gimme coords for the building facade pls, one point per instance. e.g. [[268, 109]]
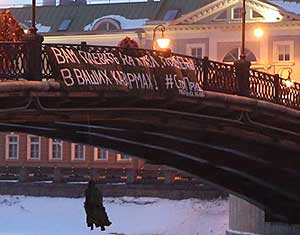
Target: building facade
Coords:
[[34, 158], [30, 150]]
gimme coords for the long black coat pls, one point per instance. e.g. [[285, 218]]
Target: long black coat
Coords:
[[93, 205]]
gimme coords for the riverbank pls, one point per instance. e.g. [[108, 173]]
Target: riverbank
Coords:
[[76, 190]]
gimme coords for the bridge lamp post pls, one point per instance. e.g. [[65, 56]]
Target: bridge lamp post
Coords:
[[243, 56], [34, 65], [33, 29], [161, 43], [242, 66]]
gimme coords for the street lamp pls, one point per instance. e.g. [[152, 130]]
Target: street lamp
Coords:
[[33, 29], [162, 42], [258, 32], [288, 83]]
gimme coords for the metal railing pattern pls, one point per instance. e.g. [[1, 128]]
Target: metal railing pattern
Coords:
[[102, 175], [221, 77], [16, 60]]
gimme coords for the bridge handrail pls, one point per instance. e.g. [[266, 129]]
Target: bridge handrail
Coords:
[[16, 63], [13, 61]]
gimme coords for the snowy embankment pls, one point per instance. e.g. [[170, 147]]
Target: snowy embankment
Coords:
[[20, 215]]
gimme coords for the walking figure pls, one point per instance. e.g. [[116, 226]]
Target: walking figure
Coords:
[[94, 209]]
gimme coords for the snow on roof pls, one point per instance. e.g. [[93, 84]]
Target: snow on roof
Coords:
[[124, 22], [42, 28], [292, 7]]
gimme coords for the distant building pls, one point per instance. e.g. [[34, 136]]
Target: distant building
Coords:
[[29, 150], [25, 156]]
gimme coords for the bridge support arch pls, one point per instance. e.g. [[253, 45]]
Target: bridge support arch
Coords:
[[247, 219]]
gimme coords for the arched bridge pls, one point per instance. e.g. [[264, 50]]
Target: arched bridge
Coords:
[[241, 136]]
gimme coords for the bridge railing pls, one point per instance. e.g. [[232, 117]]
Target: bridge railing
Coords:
[[263, 86], [102, 175], [47, 71], [272, 88], [219, 77], [14, 60], [17, 62]]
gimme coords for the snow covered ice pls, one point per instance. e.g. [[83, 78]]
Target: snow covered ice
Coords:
[[20, 215]]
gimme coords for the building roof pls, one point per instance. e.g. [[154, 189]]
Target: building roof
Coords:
[[290, 6], [79, 18], [52, 17]]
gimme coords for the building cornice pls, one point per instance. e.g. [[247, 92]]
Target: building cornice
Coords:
[[93, 32], [230, 26], [218, 5], [203, 12], [287, 15]]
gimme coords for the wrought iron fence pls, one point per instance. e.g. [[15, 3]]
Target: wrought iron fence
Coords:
[[16, 62], [47, 71], [102, 175], [220, 77], [14, 59]]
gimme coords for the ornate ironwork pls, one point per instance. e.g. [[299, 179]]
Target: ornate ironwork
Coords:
[[47, 70], [13, 61], [212, 75], [221, 78], [289, 93], [262, 85]]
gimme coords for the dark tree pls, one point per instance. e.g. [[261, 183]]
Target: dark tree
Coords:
[[10, 30]]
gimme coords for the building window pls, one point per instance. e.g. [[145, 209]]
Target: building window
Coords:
[[234, 54], [237, 13], [78, 151], [171, 15], [64, 25], [122, 157], [283, 51], [33, 147], [107, 25], [12, 147], [196, 50], [56, 148], [100, 154]]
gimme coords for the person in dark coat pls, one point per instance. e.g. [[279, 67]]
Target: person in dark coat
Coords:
[[93, 205]]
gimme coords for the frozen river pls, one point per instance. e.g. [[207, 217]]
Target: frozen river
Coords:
[[21, 215]]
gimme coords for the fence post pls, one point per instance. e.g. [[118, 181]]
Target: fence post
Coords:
[[131, 176], [276, 87], [83, 45], [169, 176], [242, 67], [34, 57], [57, 175], [205, 64], [94, 174], [23, 176]]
